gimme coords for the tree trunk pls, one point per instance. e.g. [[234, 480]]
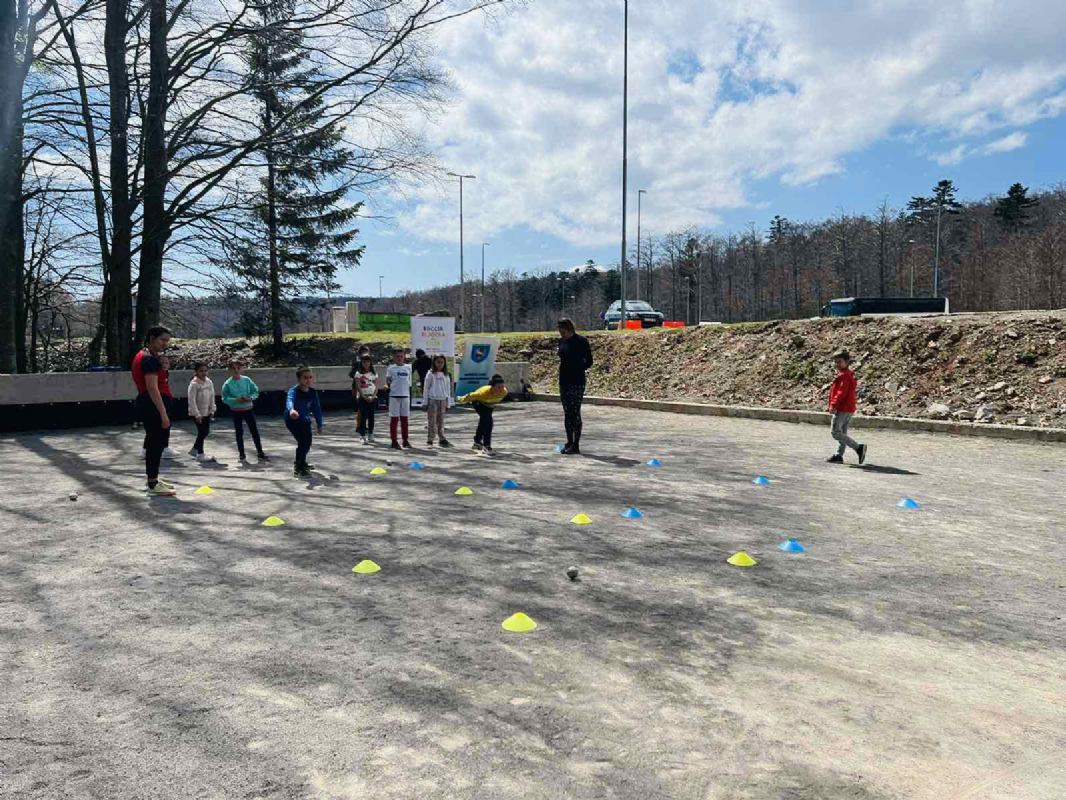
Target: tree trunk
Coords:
[[155, 225], [118, 322], [11, 251], [277, 335]]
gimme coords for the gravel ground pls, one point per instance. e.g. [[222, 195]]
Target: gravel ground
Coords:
[[176, 648]]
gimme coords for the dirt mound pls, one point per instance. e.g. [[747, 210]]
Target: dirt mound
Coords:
[[1006, 368]]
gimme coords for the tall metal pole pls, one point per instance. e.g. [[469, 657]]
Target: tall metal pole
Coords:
[[936, 256], [380, 291], [699, 288], [481, 321], [625, 165], [462, 273], [640, 193]]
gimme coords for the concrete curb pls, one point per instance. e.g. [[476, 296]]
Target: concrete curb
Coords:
[[822, 418]]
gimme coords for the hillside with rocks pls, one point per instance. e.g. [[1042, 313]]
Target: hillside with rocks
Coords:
[[1004, 368]]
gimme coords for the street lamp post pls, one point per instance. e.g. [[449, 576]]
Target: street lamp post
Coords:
[[481, 322], [640, 193], [462, 275], [625, 165], [381, 292]]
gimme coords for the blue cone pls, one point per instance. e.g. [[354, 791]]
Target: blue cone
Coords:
[[416, 465], [792, 546], [761, 480], [633, 513], [907, 502], [509, 484], [655, 463]]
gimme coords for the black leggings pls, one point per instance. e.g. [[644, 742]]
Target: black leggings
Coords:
[[241, 418], [156, 437], [484, 424], [571, 396], [366, 415], [203, 428], [301, 432]]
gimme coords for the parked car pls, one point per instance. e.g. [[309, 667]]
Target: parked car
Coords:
[[635, 310]]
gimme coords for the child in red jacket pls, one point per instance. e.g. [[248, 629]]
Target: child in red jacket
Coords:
[[842, 406]]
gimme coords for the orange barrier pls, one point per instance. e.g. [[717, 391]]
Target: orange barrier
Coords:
[[634, 324], [673, 323]]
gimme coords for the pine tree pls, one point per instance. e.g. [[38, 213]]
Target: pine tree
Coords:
[[1013, 210], [301, 229], [926, 210]]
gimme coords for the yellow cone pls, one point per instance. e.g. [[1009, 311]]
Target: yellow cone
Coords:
[[378, 471], [741, 559], [581, 519], [366, 567], [273, 522], [204, 490], [463, 491], [519, 623]]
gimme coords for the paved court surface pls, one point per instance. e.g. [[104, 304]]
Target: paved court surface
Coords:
[[178, 649]]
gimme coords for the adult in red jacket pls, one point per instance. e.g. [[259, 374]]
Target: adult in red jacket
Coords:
[[842, 404], [150, 378]]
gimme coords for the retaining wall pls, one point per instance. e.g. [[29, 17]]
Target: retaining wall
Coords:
[[78, 399]]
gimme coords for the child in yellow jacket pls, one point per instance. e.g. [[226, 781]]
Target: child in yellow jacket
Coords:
[[484, 400]]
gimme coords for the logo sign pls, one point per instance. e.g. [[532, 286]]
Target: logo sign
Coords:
[[435, 335], [478, 364]]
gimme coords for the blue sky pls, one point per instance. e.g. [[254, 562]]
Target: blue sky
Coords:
[[737, 113]]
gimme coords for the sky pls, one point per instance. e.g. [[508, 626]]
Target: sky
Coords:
[[737, 111]]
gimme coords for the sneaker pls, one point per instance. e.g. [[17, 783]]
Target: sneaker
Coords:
[[301, 472], [194, 453], [444, 442], [488, 451], [309, 466], [406, 444], [478, 447], [837, 459], [262, 457], [429, 442], [370, 438], [168, 453], [160, 490], [363, 439], [862, 453], [243, 459], [571, 450], [396, 445]]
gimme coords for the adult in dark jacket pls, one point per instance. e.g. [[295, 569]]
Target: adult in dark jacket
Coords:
[[575, 357]]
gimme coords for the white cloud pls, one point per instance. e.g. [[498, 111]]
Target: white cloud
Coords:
[[720, 95]]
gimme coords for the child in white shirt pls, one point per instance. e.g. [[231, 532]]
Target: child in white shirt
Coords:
[[201, 409], [437, 391], [398, 381]]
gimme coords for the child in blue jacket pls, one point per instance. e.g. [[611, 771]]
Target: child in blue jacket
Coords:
[[301, 404]]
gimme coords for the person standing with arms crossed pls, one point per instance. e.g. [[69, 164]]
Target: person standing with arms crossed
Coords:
[[152, 407], [575, 357]]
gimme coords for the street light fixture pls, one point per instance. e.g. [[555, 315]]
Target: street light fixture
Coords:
[[462, 275], [481, 326]]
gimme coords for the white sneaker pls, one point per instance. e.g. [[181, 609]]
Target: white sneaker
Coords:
[[488, 451], [168, 453], [160, 490], [364, 439], [167, 484]]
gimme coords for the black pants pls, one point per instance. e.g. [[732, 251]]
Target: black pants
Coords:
[[484, 424], [203, 428], [571, 396], [240, 419], [156, 437], [301, 432], [366, 415]]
